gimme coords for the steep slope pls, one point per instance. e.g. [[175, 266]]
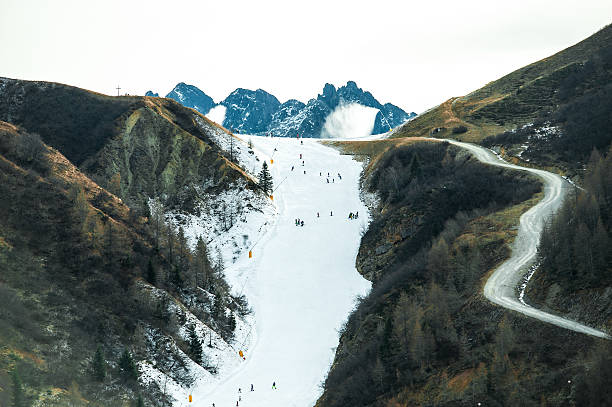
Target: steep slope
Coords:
[[306, 122], [249, 111], [72, 260], [136, 147], [518, 98], [79, 258], [191, 96]]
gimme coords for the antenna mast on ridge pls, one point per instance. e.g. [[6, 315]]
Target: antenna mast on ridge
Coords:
[[118, 90]]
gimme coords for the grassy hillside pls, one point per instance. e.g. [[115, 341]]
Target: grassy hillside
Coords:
[[521, 97]]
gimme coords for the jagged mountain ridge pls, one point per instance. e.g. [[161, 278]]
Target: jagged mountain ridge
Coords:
[[258, 112]]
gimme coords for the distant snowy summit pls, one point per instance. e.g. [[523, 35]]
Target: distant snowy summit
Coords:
[[259, 112]]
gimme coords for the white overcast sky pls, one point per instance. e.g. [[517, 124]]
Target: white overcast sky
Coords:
[[414, 54]]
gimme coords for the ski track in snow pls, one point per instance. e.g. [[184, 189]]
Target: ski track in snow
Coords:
[[301, 281], [500, 288]]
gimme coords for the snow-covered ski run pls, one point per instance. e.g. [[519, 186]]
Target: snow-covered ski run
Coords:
[[500, 288], [301, 280]]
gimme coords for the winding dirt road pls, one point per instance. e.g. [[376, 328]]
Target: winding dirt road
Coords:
[[500, 288]]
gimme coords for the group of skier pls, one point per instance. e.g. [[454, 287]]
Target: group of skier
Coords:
[[333, 179], [353, 215], [240, 393], [299, 222]]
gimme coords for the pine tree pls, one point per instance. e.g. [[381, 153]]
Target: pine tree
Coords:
[[175, 277], [127, 367], [232, 322], [140, 401], [151, 277], [202, 264], [195, 345], [18, 394], [265, 179], [99, 365]]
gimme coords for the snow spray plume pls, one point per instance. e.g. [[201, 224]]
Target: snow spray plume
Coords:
[[349, 120]]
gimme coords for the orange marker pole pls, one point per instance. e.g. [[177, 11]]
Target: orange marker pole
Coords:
[[250, 254]]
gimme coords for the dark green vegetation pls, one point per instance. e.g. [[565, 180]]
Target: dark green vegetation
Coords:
[[581, 114], [88, 285], [425, 336], [265, 179], [423, 186], [575, 273]]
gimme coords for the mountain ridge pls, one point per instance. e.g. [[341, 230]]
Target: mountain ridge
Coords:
[[260, 113]]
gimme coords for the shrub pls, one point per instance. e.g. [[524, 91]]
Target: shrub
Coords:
[[459, 129]]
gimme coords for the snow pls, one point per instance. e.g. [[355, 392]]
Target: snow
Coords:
[[217, 114], [301, 281], [349, 120]]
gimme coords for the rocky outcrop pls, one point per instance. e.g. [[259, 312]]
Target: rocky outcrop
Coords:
[[156, 154], [191, 96], [249, 111]]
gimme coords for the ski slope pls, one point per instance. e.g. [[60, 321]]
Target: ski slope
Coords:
[[500, 288], [301, 280]]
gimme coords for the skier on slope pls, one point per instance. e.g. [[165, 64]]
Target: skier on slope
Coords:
[[274, 385], [252, 389]]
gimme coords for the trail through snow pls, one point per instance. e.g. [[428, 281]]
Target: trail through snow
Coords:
[[500, 288], [301, 281]]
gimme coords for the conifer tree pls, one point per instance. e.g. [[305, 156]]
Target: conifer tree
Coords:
[[18, 394], [265, 179], [99, 365], [151, 277], [195, 345], [232, 322], [127, 367], [175, 277], [140, 401], [202, 266]]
